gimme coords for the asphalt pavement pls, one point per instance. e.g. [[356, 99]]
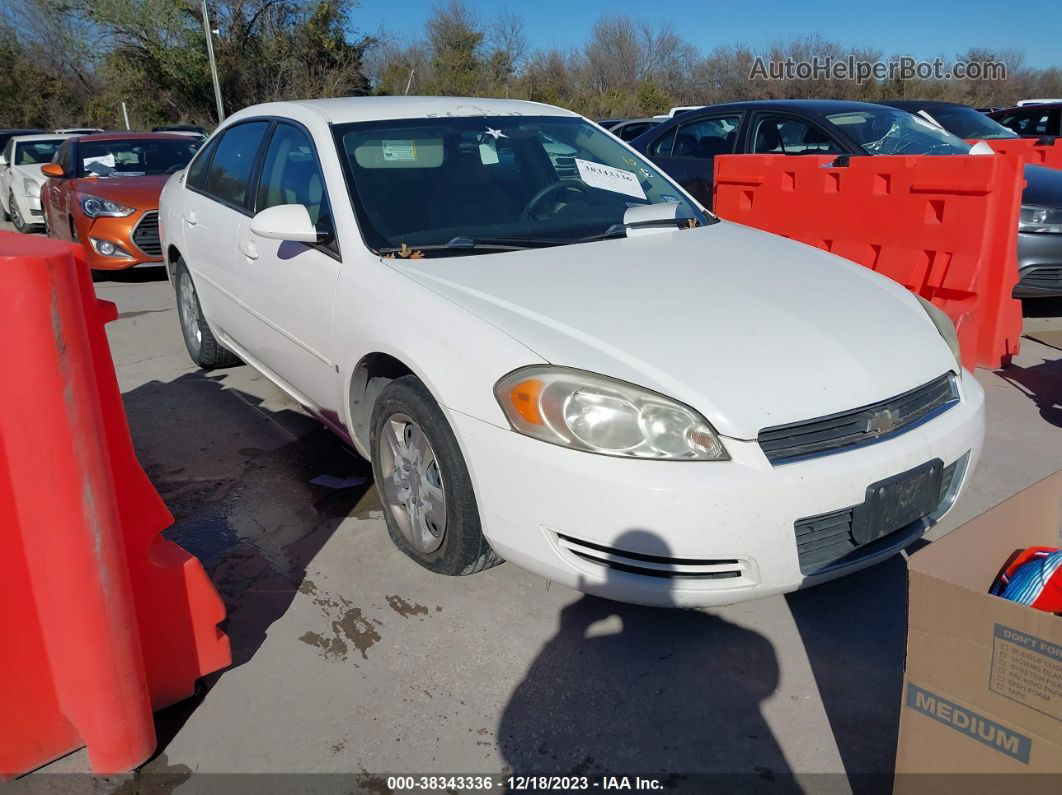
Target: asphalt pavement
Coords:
[[350, 658]]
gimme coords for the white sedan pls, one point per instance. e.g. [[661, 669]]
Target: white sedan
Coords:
[[577, 370], [21, 178]]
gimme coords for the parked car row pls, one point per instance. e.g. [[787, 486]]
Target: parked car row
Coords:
[[552, 354], [686, 147]]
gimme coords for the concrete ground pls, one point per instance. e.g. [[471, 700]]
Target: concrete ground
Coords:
[[349, 658]]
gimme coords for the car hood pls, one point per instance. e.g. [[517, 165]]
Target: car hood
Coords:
[[139, 192], [751, 329], [1043, 186]]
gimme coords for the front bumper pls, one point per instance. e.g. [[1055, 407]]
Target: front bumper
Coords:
[[711, 533], [1039, 265], [116, 230]]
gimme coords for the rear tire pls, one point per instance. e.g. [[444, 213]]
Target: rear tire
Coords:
[[202, 347], [428, 502]]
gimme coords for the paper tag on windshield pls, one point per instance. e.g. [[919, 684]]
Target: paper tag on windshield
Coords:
[[488, 153], [103, 160], [399, 150], [607, 178]]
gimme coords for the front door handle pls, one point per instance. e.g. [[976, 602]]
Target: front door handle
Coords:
[[190, 217], [249, 249]]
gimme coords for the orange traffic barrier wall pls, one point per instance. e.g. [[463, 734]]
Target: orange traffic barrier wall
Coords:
[[1034, 151], [101, 620], [944, 227]]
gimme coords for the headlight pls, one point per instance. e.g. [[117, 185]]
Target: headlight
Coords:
[[31, 188], [946, 329], [597, 414], [1040, 219], [94, 207]]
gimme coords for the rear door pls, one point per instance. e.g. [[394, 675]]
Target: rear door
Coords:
[[217, 200], [288, 288], [687, 152]]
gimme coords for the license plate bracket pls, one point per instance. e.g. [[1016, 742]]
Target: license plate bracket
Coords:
[[895, 502]]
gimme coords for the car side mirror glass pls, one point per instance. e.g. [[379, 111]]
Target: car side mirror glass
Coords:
[[286, 222], [3, 160], [52, 170]]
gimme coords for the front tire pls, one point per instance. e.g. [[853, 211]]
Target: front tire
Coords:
[[16, 217], [428, 502], [202, 347]]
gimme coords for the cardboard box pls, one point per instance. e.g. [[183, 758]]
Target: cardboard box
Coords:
[[982, 691]]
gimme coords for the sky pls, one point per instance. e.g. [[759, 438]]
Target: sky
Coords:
[[923, 29]]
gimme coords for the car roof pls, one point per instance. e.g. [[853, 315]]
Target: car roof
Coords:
[[922, 104], [19, 139], [342, 110], [820, 106], [1038, 105], [132, 136]]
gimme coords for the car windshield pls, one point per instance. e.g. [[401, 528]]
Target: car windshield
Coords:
[[133, 157], [884, 131], [455, 184], [32, 152], [964, 122]]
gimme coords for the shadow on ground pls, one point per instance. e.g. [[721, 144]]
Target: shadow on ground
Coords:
[[1042, 384], [257, 521], [622, 689], [854, 631]]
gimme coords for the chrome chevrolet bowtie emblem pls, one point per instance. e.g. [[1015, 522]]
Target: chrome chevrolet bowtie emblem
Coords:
[[883, 421]]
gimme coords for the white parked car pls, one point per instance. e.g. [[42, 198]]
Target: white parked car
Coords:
[[587, 375], [21, 178]]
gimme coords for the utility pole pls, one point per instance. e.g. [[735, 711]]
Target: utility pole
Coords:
[[213, 63], [410, 81], [125, 113]]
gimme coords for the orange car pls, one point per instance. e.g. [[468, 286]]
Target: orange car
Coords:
[[103, 192]]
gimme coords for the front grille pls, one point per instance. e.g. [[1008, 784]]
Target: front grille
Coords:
[[146, 235], [652, 565], [872, 423], [1049, 277], [825, 541]]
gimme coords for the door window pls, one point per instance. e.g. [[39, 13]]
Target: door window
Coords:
[[782, 135], [233, 162], [292, 175], [1037, 121], [707, 137], [199, 168]]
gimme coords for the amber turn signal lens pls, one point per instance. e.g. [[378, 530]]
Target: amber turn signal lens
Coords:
[[524, 397]]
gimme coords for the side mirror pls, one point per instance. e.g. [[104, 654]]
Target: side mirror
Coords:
[[52, 170], [3, 161], [286, 222]]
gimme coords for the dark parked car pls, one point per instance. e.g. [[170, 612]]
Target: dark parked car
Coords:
[[962, 121], [608, 124], [1032, 121], [632, 128], [686, 148], [7, 135]]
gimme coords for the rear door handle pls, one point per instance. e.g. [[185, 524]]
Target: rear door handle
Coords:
[[190, 217], [249, 249]]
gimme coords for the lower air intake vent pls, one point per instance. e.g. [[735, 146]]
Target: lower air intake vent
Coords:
[[652, 565]]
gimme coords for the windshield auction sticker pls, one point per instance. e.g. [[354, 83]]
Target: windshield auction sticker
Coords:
[[607, 178], [399, 150]]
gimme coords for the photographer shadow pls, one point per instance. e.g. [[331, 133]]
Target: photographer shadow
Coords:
[[623, 689]]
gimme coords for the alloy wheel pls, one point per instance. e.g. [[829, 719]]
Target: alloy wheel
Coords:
[[412, 487]]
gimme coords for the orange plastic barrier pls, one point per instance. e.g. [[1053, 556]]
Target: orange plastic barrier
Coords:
[[944, 227], [101, 620], [1034, 151]]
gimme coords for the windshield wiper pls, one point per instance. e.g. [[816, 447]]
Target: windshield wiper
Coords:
[[461, 243], [619, 230]]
